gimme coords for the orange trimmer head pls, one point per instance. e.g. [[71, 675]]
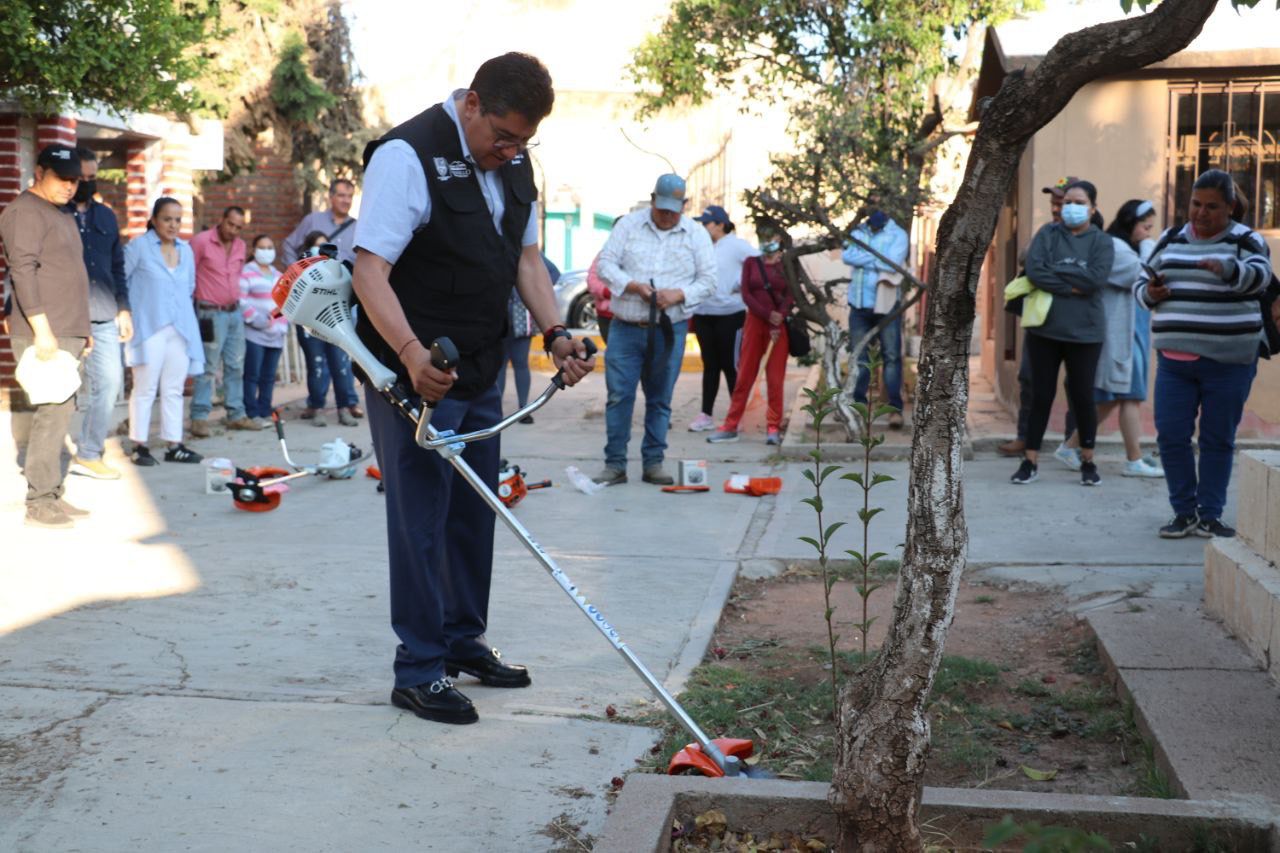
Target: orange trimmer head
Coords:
[[692, 759]]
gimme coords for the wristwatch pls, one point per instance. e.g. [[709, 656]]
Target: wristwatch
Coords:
[[549, 336]]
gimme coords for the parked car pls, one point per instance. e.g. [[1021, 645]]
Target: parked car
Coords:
[[577, 305]]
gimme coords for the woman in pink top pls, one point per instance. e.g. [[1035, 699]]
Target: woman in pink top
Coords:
[[264, 334], [599, 289]]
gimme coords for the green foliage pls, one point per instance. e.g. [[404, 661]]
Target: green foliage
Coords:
[[865, 561], [819, 408], [856, 76], [299, 97], [288, 68], [1044, 839], [125, 55]]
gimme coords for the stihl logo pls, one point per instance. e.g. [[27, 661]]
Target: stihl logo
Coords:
[[325, 291]]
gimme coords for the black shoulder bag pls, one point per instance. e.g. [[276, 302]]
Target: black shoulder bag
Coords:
[[1266, 301]]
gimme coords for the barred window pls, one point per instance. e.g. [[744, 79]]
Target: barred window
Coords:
[[1233, 126]]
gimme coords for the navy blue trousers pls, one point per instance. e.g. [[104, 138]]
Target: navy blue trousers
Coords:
[[439, 535]]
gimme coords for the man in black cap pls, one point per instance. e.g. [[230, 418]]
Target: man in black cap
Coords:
[[110, 320], [448, 227], [1056, 194], [50, 311]]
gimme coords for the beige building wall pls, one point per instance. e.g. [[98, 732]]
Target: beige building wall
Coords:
[[1114, 134]]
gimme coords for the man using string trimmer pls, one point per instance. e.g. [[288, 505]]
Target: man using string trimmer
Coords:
[[448, 226]]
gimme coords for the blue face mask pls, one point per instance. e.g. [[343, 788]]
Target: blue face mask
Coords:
[[1075, 215]]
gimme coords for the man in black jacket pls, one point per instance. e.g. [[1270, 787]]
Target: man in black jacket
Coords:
[[110, 322], [448, 225]]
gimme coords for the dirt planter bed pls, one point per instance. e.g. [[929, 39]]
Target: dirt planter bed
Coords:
[[642, 817]]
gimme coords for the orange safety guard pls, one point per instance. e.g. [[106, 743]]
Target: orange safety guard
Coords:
[[692, 758]]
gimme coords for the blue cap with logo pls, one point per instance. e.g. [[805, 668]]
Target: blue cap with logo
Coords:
[[713, 213], [668, 193]]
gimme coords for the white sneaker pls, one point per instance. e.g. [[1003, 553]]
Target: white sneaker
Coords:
[[1068, 456], [1142, 468], [702, 423]]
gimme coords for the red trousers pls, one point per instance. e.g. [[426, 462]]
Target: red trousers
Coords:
[[755, 340]]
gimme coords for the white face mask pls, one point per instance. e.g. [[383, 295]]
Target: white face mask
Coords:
[[266, 257]]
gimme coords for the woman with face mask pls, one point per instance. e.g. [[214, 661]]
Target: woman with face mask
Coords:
[[1202, 286], [1120, 384], [1070, 259], [264, 334], [767, 295]]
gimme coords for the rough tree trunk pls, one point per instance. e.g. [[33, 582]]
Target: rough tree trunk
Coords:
[[883, 735]]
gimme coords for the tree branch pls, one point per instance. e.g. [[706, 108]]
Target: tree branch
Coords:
[[1098, 51]]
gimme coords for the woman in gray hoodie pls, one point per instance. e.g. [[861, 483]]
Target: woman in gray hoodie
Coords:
[[1070, 259]]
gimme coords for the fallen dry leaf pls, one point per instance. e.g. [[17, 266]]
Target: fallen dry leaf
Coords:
[[1039, 775]]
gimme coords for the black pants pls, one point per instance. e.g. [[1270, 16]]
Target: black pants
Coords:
[[717, 338], [1047, 356], [1024, 400]]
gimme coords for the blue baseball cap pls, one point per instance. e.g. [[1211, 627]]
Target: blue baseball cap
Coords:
[[713, 213], [668, 193]]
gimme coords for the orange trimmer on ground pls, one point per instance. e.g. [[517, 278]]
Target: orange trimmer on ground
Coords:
[[315, 293]]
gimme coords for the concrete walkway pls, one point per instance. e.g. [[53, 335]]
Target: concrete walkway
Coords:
[[178, 675]]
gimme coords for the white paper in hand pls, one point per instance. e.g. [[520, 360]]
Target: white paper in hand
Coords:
[[48, 382]]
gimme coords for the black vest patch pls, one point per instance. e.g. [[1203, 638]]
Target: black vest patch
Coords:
[[455, 277]]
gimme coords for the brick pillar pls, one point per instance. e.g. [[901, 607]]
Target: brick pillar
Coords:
[[137, 205], [10, 186], [176, 180], [50, 130]]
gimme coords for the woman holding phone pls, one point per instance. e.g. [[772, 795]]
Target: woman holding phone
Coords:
[[1202, 287]]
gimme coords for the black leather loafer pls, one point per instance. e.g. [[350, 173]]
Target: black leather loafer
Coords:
[[437, 701], [490, 669]]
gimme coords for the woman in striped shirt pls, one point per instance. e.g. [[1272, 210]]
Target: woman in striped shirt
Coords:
[[1202, 287]]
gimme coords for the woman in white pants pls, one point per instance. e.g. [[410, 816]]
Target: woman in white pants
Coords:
[[166, 346]]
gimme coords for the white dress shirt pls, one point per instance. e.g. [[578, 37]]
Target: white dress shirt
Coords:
[[396, 202], [637, 250]]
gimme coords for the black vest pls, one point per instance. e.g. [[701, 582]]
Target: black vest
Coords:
[[455, 276]]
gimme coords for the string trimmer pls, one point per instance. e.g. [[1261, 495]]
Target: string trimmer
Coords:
[[315, 293], [260, 489]]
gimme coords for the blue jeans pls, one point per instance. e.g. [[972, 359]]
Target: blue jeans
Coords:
[[623, 370], [1217, 393], [861, 321], [227, 348], [439, 535], [323, 362], [259, 378], [104, 370], [517, 352]]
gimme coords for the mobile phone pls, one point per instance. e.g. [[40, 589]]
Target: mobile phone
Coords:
[[1153, 277]]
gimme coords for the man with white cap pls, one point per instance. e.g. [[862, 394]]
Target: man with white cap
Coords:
[[659, 264], [49, 312]]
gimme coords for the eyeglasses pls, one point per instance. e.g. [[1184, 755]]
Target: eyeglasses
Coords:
[[503, 141]]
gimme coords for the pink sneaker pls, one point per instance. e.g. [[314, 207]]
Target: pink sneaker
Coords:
[[702, 423]]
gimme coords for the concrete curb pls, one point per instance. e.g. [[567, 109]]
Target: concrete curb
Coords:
[[703, 628], [1204, 704], [989, 443], [642, 818]]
